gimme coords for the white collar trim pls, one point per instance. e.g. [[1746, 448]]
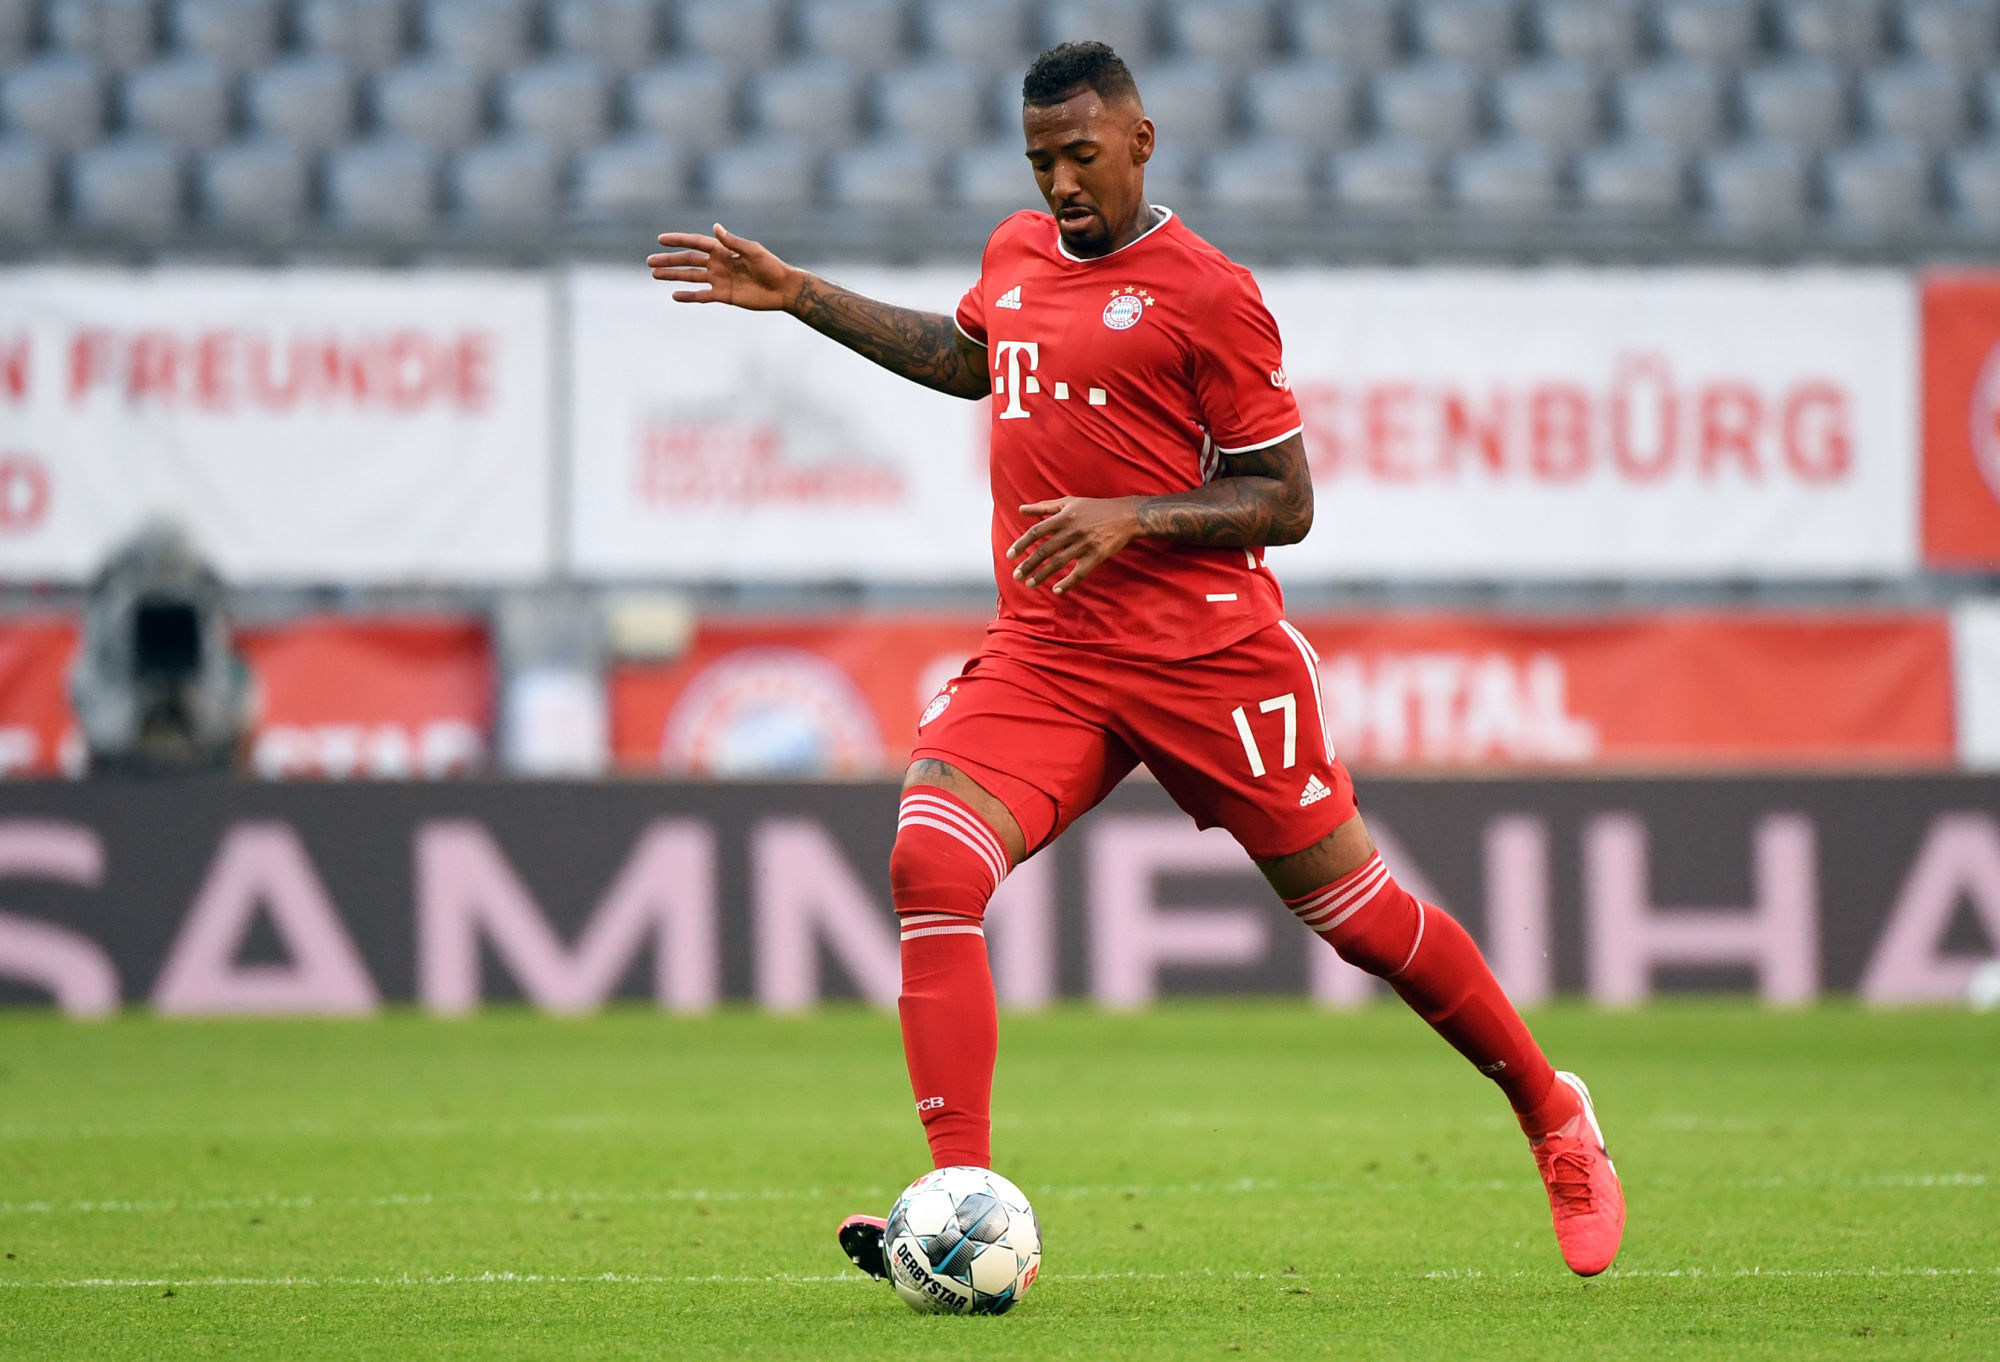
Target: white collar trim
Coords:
[[1166, 216]]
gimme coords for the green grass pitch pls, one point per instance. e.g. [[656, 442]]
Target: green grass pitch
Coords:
[[1213, 1179]]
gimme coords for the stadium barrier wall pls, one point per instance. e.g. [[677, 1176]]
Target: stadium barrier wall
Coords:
[[219, 896]]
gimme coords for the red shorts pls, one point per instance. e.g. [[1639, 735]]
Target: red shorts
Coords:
[[1238, 737]]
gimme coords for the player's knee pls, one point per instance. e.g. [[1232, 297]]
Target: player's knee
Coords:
[[1375, 926], [946, 859]]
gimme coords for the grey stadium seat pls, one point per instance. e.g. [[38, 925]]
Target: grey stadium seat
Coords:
[[994, 177], [1308, 102], [1846, 31], [1600, 34], [868, 34], [436, 103], [238, 34], [120, 34], [892, 172], [1477, 33], [1238, 34], [259, 187], [1877, 189], [1756, 188], [1435, 104], [27, 186], [383, 185], [691, 101], [308, 100], [939, 102], [624, 35], [742, 33], [1919, 102], [1553, 103], [59, 100], [814, 102], [1358, 35], [1631, 179], [17, 29], [1972, 182], [1957, 33], [1189, 102], [633, 178], [1172, 177], [1125, 24], [1386, 176], [1677, 104], [565, 101], [1986, 94], [1804, 103], [767, 172], [183, 100], [488, 35], [510, 181], [1723, 32], [1514, 178], [365, 35], [129, 184], [987, 33], [1266, 175]]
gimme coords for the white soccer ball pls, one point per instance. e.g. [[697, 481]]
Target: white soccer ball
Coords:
[[963, 1241]]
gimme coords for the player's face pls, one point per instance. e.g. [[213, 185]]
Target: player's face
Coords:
[[1089, 158]]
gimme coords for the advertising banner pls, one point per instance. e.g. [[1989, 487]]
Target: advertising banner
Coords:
[[1961, 496], [307, 425], [227, 896], [1461, 424]]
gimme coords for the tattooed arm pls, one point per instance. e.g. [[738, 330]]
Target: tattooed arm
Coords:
[[923, 347], [1263, 497]]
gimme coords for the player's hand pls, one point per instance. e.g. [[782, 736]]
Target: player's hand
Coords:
[[734, 269], [1074, 532]]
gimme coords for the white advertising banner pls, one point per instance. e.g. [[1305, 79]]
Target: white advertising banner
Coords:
[[1460, 424], [309, 425]]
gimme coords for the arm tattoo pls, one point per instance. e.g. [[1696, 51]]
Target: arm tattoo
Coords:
[[923, 347], [1263, 497]]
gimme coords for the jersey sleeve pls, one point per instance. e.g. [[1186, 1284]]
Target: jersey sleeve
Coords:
[[971, 315], [1241, 392]]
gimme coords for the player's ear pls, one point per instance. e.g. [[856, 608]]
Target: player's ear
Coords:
[[1142, 141]]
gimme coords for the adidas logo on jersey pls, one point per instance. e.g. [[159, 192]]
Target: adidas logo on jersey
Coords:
[[1011, 299], [1315, 790]]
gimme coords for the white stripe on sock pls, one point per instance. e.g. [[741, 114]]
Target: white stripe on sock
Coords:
[[944, 931], [922, 803], [1323, 897], [1407, 960], [953, 831]]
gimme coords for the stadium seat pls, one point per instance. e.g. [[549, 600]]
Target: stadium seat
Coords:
[[1308, 102], [1125, 24], [365, 35], [1633, 179], [1600, 34], [565, 101], [1357, 35], [1189, 102], [1677, 104], [768, 172], [1237, 34], [691, 100], [866, 34], [986, 33], [119, 34], [1878, 189], [487, 35], [237, 34], [1514, 178], [994, 176], [632, 179], [1986, 94], [1266, 175], [1553, 103], [127, 185], [1801, 102], [17, 29], [1956, 33], [27, 186], [885, 173], [1475, 33], [1722, 32], [1434, 104], [1386, 177], [182, 100], [308, 100], [509, 181], [1845, 31], [817, 103], [58, 100], [1755, 188], [623, 35], [383, 185], [258, 187], [936, 102], [437, 103], [1172, 177], [1972, 185], [1920, 102], [740, 33]]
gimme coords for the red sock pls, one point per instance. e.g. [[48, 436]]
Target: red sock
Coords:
[[1435, 967]]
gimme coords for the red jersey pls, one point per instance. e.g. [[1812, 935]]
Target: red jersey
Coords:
[[1126, 375]]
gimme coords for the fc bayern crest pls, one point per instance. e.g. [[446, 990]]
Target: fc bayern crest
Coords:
[[1986, 421], [1126, 307]]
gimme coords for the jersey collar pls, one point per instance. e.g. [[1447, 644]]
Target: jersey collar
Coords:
[[1166, 216]]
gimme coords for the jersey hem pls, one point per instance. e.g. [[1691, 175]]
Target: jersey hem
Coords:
[[1262, 444]]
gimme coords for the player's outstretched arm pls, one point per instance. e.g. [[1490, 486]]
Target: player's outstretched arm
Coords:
[[923, 347]]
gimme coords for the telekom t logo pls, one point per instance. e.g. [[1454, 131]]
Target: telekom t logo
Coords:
[[1012, 386]]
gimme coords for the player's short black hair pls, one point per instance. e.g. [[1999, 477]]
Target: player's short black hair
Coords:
[[1070, 68]]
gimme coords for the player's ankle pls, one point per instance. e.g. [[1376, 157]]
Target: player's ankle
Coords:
[[1557, 1108]]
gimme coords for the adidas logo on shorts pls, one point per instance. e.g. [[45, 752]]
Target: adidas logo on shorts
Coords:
[[1315, 790], [1010, 299]]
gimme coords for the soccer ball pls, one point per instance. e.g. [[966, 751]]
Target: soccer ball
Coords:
[[963, 1241]]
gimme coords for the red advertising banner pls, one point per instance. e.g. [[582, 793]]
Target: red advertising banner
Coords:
[[1961, 496], [1702, 690], [35, 723]]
